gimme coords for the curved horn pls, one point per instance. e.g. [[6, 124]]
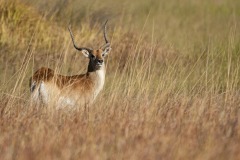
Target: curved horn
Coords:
[[105, 36], [74, 44]]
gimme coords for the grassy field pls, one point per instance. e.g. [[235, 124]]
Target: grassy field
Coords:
[[172, 86]]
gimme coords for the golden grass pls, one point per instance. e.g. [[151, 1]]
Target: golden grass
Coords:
[[172, 82]]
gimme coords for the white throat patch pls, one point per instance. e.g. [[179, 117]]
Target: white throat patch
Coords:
[[100, 83]]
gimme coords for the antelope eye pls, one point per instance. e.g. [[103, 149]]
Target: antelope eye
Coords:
[[92, 56]]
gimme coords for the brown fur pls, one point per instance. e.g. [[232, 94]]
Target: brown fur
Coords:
[[43, 74], [61, 81], [98, 53]]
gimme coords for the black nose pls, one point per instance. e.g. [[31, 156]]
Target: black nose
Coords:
[[100, 61]]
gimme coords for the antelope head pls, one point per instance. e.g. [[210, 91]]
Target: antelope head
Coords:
[[96, 56]]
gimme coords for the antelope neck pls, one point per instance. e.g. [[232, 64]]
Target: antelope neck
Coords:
[[98, 78], [97, 75]]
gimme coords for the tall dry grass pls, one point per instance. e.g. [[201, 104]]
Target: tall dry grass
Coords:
[[172, 82]]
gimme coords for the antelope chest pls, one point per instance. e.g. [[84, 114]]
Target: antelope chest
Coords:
[[99, 82]]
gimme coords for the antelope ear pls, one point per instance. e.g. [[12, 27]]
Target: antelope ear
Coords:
[[85, 53], [106, 51]]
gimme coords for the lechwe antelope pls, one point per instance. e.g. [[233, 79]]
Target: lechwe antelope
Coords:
[[47, 87]]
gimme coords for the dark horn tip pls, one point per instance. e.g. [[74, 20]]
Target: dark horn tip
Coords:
[[106, 21]]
